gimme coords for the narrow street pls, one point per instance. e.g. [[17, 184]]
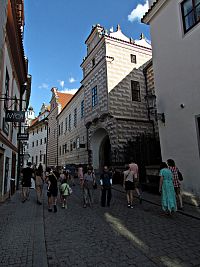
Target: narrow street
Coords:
[[115, 236]]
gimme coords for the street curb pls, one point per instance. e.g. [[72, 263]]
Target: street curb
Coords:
[[156, 204]]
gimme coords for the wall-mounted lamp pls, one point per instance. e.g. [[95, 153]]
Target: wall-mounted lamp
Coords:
[[151, 106]]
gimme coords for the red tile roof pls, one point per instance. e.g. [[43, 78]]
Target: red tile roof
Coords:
[[64, 98], [34, 121]]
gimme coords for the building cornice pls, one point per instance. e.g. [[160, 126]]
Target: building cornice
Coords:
[[153, 10], [7, 142]]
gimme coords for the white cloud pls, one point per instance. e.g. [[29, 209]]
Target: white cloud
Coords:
[[71, 80], [62, 83], [43, 86], [138, 12], [69, 91]]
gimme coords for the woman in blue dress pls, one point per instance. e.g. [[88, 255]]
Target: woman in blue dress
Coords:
[[166, 188]]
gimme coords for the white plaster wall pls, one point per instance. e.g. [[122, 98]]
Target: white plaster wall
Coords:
[[176, 64]]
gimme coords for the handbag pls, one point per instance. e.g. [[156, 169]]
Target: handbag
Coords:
[[180, 176]]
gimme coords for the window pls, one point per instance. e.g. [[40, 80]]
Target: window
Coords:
[[94, 96], [33, 132], [61, 128], [82, 108], [133, 59], [65, 124], [44, 159], [198, 130], [135, 90], [190, 13], [41, 129], [74, 144], [75, 117], [78, 143], [36, 160], [32, 144], [37, 131], [69, 122], [40, 141], [71, 146], [60, 150], [63, 149], [45, 140], [6, 90], [37, 143], [40, 157], [93, 62]]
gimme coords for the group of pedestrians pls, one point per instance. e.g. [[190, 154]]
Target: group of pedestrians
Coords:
[[61, 182]]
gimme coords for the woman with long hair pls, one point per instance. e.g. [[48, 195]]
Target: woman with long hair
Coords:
[[177, 185], [166, 188]]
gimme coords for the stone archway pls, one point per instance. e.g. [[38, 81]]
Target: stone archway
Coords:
[[101, 148]]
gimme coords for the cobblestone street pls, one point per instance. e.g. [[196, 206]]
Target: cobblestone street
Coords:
[[115, 236]]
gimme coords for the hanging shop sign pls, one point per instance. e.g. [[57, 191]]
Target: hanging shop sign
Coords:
[[15, 116], [22, 136]]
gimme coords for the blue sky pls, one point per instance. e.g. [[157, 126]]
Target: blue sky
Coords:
[[55, 34]]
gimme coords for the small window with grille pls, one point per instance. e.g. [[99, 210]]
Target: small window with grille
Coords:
[[135, 91]]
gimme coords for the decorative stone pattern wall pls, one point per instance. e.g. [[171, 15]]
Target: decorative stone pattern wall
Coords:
[[52, 145]]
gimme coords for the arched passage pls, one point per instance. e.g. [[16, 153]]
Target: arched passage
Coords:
[[101, 149]]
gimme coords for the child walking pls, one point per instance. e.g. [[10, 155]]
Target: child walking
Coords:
[[66, 191]]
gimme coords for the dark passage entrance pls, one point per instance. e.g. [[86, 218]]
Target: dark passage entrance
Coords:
[[105, 153]]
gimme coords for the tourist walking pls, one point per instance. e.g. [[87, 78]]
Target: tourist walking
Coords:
[[166, 188], [129, 186], [80, 174], [65, 191], [106, 182], [88, 187], [39, 183], [26, 173], [52, 191], [177, 185], [134, 168]]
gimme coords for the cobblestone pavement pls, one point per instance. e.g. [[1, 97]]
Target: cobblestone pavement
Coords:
[[115, 236]]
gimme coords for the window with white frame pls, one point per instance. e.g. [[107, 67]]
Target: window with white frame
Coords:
[[190, 13], [78, 143]]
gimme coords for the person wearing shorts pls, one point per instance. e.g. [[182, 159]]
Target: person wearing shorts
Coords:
[[129, 186]]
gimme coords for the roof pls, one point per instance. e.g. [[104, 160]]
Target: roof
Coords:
[[63, 98], [119, 35], [34, 121], [150, 9]]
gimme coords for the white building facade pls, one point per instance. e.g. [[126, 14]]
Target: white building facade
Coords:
[[36, 146], [110, 108], [175, 33], [15, 86]]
